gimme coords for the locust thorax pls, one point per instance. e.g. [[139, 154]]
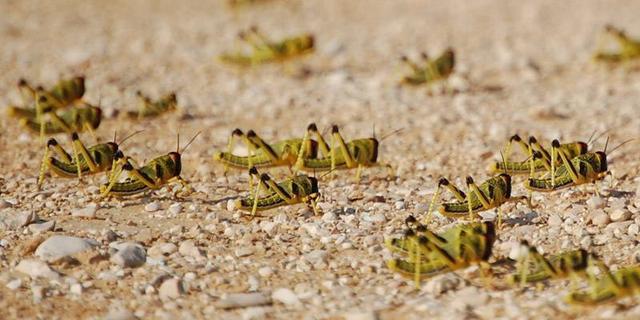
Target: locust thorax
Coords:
[[507, 184], [602, 162]]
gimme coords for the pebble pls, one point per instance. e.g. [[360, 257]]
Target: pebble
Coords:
[[37, 269], [38, 228], [175, 208], [162, 249], [88, 212], [119, 313], [265, 271], [188, 249], [285, 296], [171, 289], [76, 289], [243, 300], [316, 256], [599, 218], [129, 255], [596, 203], [375, 217], [61, 246], [152, 206], [14, 284], [243, 251], [360, 315], [23, 219], [37, 292], [442, 284], [633, 229], [554, 220], [5, 204], [620, 214]]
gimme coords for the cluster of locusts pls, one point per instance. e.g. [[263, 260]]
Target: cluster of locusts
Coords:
[[61, 109]]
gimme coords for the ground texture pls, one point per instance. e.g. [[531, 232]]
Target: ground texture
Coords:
[[522, 68]]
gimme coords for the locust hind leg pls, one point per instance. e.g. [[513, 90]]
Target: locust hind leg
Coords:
[[473, 188], [44, 166]]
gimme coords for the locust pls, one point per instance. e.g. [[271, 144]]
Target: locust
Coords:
[[268, 194], [72, 119], [104, 157], [265, 50], [356, 154], [65, 93], [629, 48], [608, 287], [429, 254], [589, 167], [152, 176], [534, 267], [263, 154], [492, 193], [150, 109], [539, 158], [428, 71]]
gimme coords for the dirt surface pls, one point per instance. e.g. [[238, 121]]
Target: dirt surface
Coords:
[[522, 68]]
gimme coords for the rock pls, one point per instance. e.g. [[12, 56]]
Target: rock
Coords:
[[231, 205], [265, 271], [633, 229], [23, 219], [5, 204], [37, 292], [441, 284], [171, 289], [554, 220], [162, 249], [620, 215], [243, 251], [37, 269], [38, 228], [243, 300], [119, 313], [285, 296], [14, 284], [152, 206], [175, 208], [130, 255], [188, 249], [599, 218], [88, 212], [596, 203], [316, 256], [57, 247], [76, 289], [374, 217]]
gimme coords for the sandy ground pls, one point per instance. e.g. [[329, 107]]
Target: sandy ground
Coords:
[[523, 68]]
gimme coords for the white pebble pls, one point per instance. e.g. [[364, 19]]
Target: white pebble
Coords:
[[86, 212], [188, 248], [38, 228], [554, 220], [37, 269], [285, 296], [152, 206], [76, 289], [243, 300], [171, 289], [23, 219], [633, 229], [596, 203], [175, 208], [243, 251], [599, 218], [231, 205], [375, 217], [129, 255], [14, 284], [620, 214], [265, 271], [61, 246]]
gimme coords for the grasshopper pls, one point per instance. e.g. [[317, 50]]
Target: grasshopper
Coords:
[[539, 158], [150, 109], [608, 287], [629, 48], [429, 70], [589, 167], [262, 154], [534, 267], [357, 154], [152, 176], [430, 254], [492, 193], [297, 189], [66, 92], [98, 158], [265, 50]]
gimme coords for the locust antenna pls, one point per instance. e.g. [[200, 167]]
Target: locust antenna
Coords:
[[127, 137], [325, 174], [178, 142], [606, 144], [591, 136], [115, 134], [504, 163], [620, 145], [391, 134], [190, 141]]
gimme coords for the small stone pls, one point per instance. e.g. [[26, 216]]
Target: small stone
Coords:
[[152, 206], [76, 289], [599, 218], [37, 269], [620, 215], [129, 255], [374, 217], [119, 313], [633, 229], [243, 251], [265, 272], [175, 208], [162, 249], [517, 251], [316, 256], [38, 228], [596, 203], [329, 217], [23, 219], [441, 284], [231, 205], [5, 204], [285, 296], [57, 247], [14, 284], [360, 315], [188, 248], [554, 220], [88, 212], [243, 300], [37, 292], [171, 289]]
